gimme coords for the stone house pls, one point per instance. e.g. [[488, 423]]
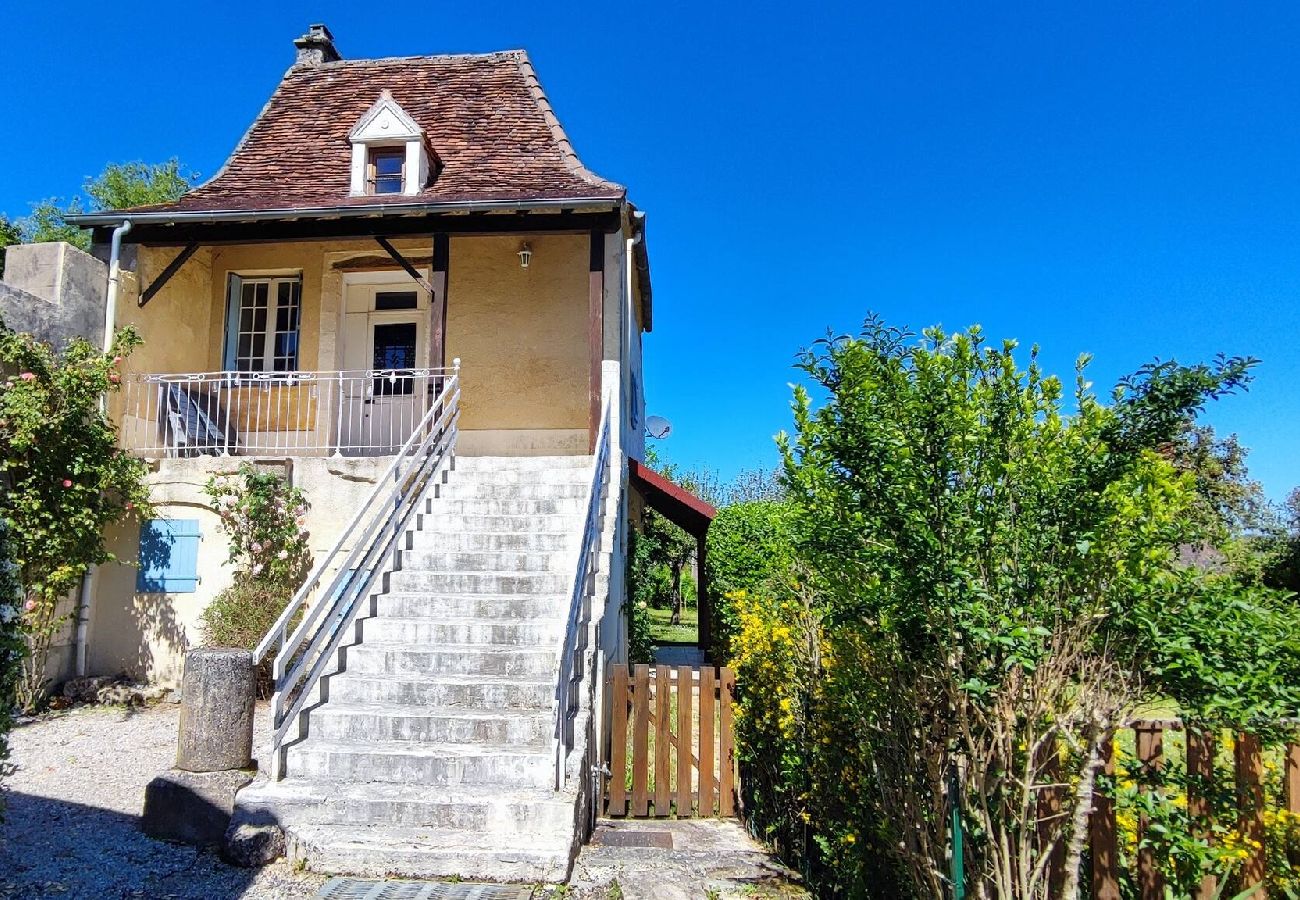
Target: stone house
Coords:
[[405, 291]]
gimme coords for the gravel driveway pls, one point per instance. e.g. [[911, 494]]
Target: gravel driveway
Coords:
[[71, 829]]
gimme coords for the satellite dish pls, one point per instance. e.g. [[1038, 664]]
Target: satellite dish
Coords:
[[658, 427]]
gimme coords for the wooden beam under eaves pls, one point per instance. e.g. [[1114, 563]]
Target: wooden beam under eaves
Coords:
[[178, 234], [404, 263], [172, 268]]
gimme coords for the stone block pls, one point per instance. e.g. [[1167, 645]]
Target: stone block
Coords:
[[216, 727], [191, 807], [249, 844]]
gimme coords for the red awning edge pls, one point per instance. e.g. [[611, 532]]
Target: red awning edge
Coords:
[[670, 500]]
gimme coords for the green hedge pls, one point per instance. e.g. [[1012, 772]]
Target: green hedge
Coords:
[[749, 550]]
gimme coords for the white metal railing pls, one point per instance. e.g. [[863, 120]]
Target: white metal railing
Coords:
[[358, 412], [341, 580], [568, 691]]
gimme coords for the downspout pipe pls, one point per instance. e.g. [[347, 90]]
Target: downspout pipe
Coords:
[[110, 327], [114, 278]]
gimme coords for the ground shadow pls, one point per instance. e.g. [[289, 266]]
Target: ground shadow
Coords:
[[53, 848]]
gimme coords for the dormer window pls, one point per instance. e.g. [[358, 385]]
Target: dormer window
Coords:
[[389, 154], [385, 170]]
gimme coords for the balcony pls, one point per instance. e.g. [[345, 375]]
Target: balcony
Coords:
[[347, 413]]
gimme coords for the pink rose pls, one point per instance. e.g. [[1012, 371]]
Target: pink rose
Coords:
[[28, 376], [117, 360], [29, 605], [67, 482], [115, 378]]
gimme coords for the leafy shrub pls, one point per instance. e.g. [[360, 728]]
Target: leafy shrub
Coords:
[[984, 585], [11, 640], [750, 549], [802, 740], [241, 615], [263, 518], [642, 571], [67, 480]]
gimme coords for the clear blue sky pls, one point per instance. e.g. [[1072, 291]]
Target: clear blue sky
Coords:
[[1123, 180]]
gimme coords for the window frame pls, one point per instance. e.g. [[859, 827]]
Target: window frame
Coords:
[[373, 154], [270, 359]]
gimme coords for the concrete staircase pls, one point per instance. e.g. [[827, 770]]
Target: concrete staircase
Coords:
[[429, 750]]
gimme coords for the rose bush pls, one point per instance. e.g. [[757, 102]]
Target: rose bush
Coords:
[[67, 480], [263, 517]]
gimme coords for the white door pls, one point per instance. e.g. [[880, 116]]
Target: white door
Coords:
[[385, 388]]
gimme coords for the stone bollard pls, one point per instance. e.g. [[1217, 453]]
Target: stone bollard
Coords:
[[216, 729]]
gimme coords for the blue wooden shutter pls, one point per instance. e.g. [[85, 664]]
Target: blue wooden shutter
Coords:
[[169, 557]]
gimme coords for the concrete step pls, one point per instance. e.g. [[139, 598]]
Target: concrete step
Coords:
[[412, 659], [484, 561], [518, 811], [474, 489], [463, 632], [432, 852], [487, 506], [400, 762], [461, 605], [490, 542], [360, 722], [479, 582], [473, 692], [443, 522], [497, 465]]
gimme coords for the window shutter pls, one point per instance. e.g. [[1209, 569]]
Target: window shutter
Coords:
[[234, 290], [169, 557]]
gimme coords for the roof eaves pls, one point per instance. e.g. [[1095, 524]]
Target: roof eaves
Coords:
[[372, 210], [641, 255]]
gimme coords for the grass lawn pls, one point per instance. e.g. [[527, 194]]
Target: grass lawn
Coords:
[[662, 631]]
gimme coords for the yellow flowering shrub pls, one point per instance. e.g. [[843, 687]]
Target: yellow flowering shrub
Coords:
[[799, 734]]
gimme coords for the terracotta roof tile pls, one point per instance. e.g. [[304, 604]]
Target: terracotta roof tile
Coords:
[[484, 116]]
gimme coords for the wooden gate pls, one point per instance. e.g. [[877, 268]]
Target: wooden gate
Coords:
[[678, 755]]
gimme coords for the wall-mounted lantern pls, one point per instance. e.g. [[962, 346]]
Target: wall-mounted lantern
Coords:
[[525, 255]]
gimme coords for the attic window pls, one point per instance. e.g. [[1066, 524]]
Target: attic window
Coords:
[[389, 152], [385, 170]]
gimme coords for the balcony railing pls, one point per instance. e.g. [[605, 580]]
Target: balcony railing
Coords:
[[367, 412]]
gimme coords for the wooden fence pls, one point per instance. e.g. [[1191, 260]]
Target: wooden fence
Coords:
[[678, 758], [1199, 752]]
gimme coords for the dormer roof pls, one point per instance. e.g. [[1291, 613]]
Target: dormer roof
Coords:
[[484, 117], [385, 121]]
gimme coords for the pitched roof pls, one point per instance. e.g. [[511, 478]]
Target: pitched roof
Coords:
[[484, 116]]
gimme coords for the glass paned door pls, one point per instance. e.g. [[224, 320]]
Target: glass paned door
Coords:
[[385, 349]]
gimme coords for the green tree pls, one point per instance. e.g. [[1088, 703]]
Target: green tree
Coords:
[[47, 222], [67, 479], [986, 584], [119, 186], [9, 234], [1279, 552], [750, 549], [1232, 503]]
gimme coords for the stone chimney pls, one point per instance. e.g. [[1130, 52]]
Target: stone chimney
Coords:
[[316, 47]]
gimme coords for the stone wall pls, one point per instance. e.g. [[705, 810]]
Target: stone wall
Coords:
[[54, 291]]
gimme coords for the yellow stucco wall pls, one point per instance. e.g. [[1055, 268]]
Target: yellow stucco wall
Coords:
[[521, 334]]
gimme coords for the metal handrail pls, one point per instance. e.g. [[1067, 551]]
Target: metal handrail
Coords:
[[307, 650], [272, 413], [568, 687]]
